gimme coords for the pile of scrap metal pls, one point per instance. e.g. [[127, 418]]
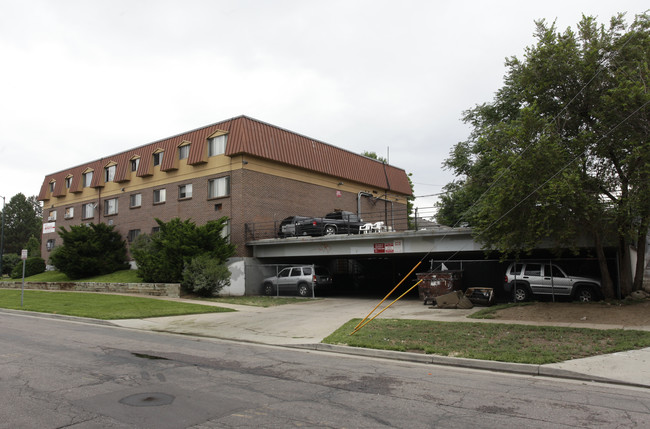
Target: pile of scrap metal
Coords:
[[458, 299]]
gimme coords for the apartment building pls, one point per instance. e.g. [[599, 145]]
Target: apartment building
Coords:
[[250, 171]]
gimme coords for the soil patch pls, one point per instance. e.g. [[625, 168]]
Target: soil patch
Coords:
[[602, 313]]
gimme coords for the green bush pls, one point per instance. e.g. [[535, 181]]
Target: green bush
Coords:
[[33, 266], [9, 261], [205, 276], [89, 251], [162, 256]]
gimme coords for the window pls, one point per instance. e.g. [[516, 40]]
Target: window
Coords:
[[132, 235], [110, 206], [135, 163], [157, 158], [155, 229], [51, 215], [533, 270], [69, 213], [135, 200], [52, 183], [184, 152], [217, 145], [159, 196], [219, 187], [88, 210], [68, 182], [225, 232], [50, 244], [185, 191], [87, 178], [109, 173]]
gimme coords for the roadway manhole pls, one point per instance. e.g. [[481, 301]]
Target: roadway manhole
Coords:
[[154, 399]]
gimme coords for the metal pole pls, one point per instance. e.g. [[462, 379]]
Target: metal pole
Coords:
[[2, 236], [22, 289]]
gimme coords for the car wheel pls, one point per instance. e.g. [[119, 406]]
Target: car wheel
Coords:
[[330, 229], [584, 294], [521, 293], [268, 289], [304, 290]]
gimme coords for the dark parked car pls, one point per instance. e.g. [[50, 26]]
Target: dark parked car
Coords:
[[288, 225], [526, 279], [300, 279], [337, 222]]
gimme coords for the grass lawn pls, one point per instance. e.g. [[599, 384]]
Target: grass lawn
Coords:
[[257, 301], [498, 342], [99, 306]]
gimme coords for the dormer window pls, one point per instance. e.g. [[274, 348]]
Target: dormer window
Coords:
[[217, 145], [68, 182], [135, 163], [109, 173], [52, 183], [87, 178], [157, 158], [184, 151]]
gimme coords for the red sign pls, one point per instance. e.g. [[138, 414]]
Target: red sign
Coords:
[[379, 247]]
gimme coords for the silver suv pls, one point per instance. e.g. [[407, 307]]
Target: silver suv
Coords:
[[525, 279], [300, 279]]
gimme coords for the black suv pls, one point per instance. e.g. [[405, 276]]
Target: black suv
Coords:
[[525, 279]]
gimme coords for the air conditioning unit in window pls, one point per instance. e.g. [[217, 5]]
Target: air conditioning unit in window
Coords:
[[51, 218]]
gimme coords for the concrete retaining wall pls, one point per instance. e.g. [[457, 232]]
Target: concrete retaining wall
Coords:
[[171, 290]]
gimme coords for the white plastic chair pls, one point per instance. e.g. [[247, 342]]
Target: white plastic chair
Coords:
[[365, 228], [378, 227]]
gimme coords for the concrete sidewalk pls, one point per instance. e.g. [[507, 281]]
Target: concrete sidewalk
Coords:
[[306, 324]]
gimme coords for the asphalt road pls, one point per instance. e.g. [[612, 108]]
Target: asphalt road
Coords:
[[65, 374]]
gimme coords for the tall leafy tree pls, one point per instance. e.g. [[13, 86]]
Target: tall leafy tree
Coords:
[[162, 256], [563, 148], [23, 219], [90, 250]]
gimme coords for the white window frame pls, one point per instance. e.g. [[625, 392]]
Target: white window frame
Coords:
[[87, 178], [68, 182], [69, 213], [109, 173], [183, 151], [157, 158], [217, 145], [138, 202], [110, 207], [88, 211], [159, 196], [185, 191], [219, 187], [51, 215], [135, 163]]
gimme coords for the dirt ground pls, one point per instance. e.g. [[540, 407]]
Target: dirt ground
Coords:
[[632, 314]]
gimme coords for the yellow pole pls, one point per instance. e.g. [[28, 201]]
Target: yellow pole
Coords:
[[385, 308], [389, 293]]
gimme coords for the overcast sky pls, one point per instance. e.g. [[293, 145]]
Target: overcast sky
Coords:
[[83, 79]]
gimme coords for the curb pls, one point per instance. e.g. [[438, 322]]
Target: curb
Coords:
[[485, 365]]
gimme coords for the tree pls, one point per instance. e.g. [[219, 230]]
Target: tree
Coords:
[[563, 149], [409, 200], [162, 256], [205, 275], [23, 219], [90, 250]]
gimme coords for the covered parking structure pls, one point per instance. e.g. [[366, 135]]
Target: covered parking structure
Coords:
[[372, 264]]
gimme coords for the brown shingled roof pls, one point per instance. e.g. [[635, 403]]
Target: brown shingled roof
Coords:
[[253, 137]]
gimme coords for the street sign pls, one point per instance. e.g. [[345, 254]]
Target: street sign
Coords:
[[23, 254]]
